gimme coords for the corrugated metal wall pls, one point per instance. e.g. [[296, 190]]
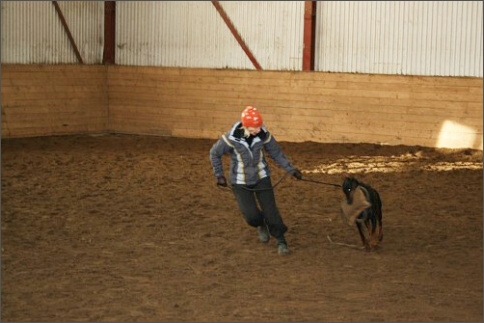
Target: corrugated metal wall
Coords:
[[32, 32], [193, 34], [432, 38], [437, 38]]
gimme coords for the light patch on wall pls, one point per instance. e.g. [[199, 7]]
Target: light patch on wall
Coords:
[[455, 135]]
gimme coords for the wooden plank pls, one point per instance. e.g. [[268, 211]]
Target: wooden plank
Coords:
[[46, 100], [173, 101], [192, 106], [249, 74]]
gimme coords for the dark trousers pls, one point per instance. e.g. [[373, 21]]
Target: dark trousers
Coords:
[[258, 203]]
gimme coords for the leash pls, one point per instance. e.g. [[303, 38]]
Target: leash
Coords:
[[280, 180], [318, 182], [265, 189]]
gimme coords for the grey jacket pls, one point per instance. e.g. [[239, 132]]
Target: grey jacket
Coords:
[[247, 162]]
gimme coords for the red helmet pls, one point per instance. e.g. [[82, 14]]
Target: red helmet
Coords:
[[251, 117]]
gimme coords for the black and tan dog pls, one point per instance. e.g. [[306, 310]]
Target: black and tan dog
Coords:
[[362, 205]]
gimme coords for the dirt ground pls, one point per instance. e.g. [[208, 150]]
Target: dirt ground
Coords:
[[133, 228]]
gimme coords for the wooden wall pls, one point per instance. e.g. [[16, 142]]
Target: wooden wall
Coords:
[[204, 103], [42, 100]]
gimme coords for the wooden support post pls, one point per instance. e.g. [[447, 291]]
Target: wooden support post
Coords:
[[236, 34], [309, 35], [109, 53], [66, 28]]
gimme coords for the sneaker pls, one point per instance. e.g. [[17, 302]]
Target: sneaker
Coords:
[[263, 232], [282, 248]]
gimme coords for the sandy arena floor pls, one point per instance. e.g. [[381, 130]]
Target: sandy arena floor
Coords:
[[133, 228]]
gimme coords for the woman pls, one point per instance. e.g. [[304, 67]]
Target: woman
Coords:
[[250, 176]]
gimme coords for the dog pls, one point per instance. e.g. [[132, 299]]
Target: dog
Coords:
[[362, 205]]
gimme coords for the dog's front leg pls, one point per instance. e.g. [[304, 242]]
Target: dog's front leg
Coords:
[[364, 240]]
